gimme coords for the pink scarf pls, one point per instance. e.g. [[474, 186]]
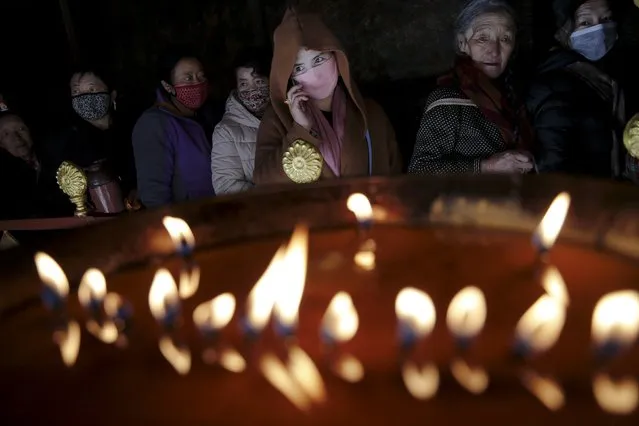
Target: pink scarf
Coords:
[[331, 137]]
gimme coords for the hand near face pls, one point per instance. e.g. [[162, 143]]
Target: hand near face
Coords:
[[296, 100], [508, 162]]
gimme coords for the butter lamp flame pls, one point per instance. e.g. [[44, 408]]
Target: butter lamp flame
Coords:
[[215, 314], [619, 397], [263, 295], [184, 242], [466, 314], [474, 380], [179, 358], [615, 321], [107, 332], [416, 315], [361, 207], [180, 233], [68, 341], [305, 372], [365, 257], [540, 326], [189, 281], [299, 381], [349, 368], [341, 321], [281, 379], [54, 280], [92, 290], [422, 383], [232, 361], [92, 295], [163, 298], [545, 389], [292, 281], [554, 284], [548, 230]]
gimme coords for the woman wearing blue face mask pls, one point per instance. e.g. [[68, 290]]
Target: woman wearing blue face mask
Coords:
[[577, 107]]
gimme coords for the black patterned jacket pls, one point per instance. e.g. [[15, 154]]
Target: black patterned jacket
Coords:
[[453, 136]]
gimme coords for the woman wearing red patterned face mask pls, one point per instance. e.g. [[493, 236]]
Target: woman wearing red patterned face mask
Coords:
[[187, 86], [171, 143]]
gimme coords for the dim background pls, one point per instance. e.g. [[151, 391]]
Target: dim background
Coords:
[[395, 47]]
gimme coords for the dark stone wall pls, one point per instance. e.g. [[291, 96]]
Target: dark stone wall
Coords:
[[389, 39], [33, 57], [392, 44], [386, 39], [132, 33]]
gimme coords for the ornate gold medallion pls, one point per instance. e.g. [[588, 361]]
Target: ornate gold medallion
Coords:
[[631, 136], [73, 182], [302, 162]]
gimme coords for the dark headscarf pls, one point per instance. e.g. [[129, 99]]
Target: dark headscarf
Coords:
[[564, 11]]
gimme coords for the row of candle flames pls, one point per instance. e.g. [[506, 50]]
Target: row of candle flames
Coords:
[[278, 293]]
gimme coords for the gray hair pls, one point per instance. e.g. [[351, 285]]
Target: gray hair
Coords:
[[475, 8]]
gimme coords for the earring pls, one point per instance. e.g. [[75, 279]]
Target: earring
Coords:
[[115, 106]]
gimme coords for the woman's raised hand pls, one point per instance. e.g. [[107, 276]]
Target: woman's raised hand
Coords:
[[296, 99]]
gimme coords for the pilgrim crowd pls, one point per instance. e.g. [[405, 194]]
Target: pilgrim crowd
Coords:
[[297, 116]]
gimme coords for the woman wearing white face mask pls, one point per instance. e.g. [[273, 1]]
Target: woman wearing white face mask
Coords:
[[577, 107], [318, 126]]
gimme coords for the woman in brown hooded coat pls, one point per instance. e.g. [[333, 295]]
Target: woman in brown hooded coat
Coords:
[[319, 127]]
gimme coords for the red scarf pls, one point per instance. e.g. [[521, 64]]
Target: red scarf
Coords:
[[512, 122]]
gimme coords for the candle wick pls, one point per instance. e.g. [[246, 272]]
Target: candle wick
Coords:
[[465, 317]]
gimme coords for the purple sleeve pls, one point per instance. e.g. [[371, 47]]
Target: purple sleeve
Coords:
[[154, 156]]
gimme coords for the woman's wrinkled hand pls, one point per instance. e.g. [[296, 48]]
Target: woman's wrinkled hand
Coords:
[[296, 99], [508, 162]]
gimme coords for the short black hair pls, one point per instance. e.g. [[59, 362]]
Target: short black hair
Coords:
[[256, 57], [564, 10], [169, 58], [101, 71]]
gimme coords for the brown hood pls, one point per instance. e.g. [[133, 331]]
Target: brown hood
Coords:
[[305, 30]]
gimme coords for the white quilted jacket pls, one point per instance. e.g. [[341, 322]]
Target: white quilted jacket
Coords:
[[233, 152]]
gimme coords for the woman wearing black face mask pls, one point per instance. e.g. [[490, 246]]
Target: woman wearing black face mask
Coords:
[[98, 142]]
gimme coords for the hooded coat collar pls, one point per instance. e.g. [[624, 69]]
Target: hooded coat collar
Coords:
[[299, 30]]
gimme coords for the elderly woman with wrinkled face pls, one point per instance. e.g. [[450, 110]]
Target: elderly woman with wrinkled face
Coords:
[[473, 122], [577, 106], [15, 139], [19, 167]]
